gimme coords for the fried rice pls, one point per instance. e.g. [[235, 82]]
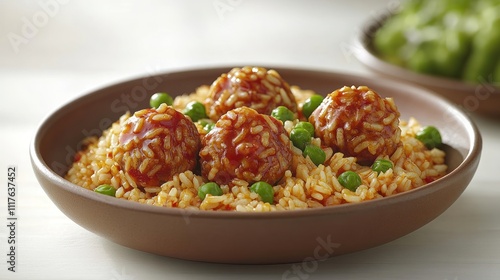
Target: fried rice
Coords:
[[304, 185]]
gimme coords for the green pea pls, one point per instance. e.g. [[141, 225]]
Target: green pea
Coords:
[[264, 190], [208, 127], [300, 137], [311, 104], [283, 114], [106, 190], [381, 165], [207, 124], [350, 180], [307, 126], [195, 110], [209, 188], [315, 153], [159, 98], [429, 136]]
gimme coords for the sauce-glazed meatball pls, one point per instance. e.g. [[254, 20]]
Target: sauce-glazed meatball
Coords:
[[156, 144], [358, 122], [253, 87], [245, 145]]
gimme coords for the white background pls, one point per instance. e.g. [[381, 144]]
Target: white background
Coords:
[[53, 51]]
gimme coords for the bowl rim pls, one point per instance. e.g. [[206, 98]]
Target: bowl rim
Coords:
[[362, 49], [39, 165]]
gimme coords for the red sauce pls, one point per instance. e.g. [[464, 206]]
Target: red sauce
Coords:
[[148, 125], [241, 158], [167, 159], [252, 82], [428, 180]]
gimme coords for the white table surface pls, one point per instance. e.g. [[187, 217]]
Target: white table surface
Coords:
[[53, 51]]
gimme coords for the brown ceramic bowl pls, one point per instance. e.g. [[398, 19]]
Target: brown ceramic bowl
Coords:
[[252, 238], [483, 98]]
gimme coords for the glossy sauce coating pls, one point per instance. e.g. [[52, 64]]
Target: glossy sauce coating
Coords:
[[245, 145], [358, 123], [253, 87], [155, 144]]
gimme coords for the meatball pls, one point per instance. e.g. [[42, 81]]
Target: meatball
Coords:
[[246, 145], [358, 122], [253, 87], [156, 144]]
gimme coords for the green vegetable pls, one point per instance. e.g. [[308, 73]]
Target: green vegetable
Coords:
[[207, 124], [195, 110], [208, 127], [300, 138], [283, 114], [381, 165], [315, 153], [311, 104], [350, 180], [458, 39], [483, 61], [159, 98], [421, 61], [390, 39], [106, 190], [264, 190], [453, 51], [496, 76], [441, 52], [209, 188], [307, 126], [429, 136]]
